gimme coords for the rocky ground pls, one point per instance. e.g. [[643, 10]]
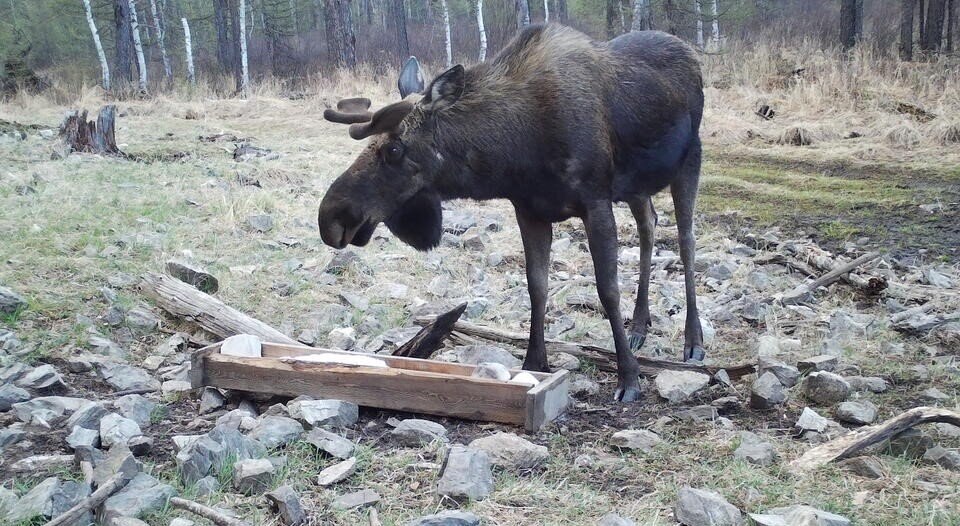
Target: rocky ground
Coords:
[[94, 375]]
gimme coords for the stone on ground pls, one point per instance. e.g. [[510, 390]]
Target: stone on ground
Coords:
[[331, 443], [466, 474], [124, 377], [810, 420], [81, 437], [861, 412], [136, 407], [494, 371], [678, 386], [755, 450], [10, 301], [702, 507], [507, 450], [243, 345], [142, 495], [767, 391], [934, 395], [87, 416], [447, 518], [287, 503], [358, 499], [787, 374], [325, 413], [252, 476], [867, 467], [612, 519], [118, 460], [115, 429], [8, 500], [799, 515], [337, 472], [275, 431], [11, 394], [873, 384], [823, 362], [193, 275], [825, 388], [477, 354], [637, 439], [211, 400], [416, 432], [945, 458], [43, 379], [912, 443]]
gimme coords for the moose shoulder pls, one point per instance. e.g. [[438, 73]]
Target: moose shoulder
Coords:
[[560, 125]]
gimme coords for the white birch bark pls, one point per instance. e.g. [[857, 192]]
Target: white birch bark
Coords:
[[138, 47], [104, 67], [640, 14], [188, 49], [483, 32], [244, 72], [546, 11], [167, 71], [446, 32], [699, 15], [716, 23]]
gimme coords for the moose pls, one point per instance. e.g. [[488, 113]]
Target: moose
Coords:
[[561, 126]]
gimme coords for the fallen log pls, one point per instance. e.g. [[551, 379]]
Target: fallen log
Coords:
[[185, 301], [206, 512], [111, 486], [431, 337], [826, 262], [81, 135], [848, 445], [604, 359], [804, 292]]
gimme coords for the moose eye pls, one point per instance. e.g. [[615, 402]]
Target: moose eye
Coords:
[[393, 152]]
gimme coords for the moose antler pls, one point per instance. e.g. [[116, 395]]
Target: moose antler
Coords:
[[350, 111], [356, 112]]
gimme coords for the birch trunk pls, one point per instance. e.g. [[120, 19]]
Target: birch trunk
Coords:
[[188, 49], [641, 15], [104, 67], [446, 32], [244, 73], [523, 13], [716, 24], [483, 32], [138, 47], [699, 15], [157, 21], [546, 11]]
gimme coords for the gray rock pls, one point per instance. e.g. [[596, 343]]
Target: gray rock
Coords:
[[767, 392], [175, 386], [118, 460], [823, 362], [945, 458], [342, 260], [47, 410], [873, 384], [507, 450], [702, 507], [798, 515], [11, 394], [260, 222], [912, 443], [253, 476], [755, 450], [582, 386], [787, 374], [11, 435], [331, 443], [636, 439], [679, 386], [465, 474], [212, 450], [207, 486], [477, 354], [358, 499], [10, 301], [416, 432], [128, 521], [43, 379], [141, 320], [275, 431], [142, 495], [811, 421], [193, 275], [721, 271], [8, 500], [42, 463], [115, 429], [11, 373], [494, 371], [447, 518], [88, 416], [140, 445], [287, 503], [612, 519], [861, 412], [38, 502], [136, 408], [325, 413], [179, 521], [330, 475], [825, 388], [934, 395], [211, 400], [81, 437], [124, 377], [700, 413], [867, 467]]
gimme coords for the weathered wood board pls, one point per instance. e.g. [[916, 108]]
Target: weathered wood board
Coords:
[[408, 384]]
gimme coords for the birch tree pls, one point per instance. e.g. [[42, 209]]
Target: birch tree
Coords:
[[188, 49], [523, 13], [104, 67], [244, 72], [641, 15], [699, 15], [483, 32], [546, 11], [716, 24], [159, 23], [138, 47], [446, 32]]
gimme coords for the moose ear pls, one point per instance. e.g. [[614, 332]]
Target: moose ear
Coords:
[[447, 88], [385, 119], [411, 79]]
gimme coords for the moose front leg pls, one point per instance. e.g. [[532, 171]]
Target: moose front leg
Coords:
[[602, 238], [537, 237]]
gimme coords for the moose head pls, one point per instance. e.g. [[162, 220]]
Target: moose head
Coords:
[[395, 179]]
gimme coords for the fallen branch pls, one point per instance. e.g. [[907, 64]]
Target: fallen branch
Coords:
[[604, 359], [431, 337], [803, 292], [847, 445], [826, 262], [111, 486], [206, 512], [185, 301]]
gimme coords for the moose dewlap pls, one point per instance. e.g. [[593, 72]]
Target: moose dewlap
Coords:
[[386, 382]]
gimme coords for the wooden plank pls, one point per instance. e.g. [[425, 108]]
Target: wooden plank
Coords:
[[198, 365], [547, 400], [388, 388]]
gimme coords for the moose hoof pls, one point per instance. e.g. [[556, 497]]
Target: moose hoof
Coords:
[[635, 341], [694, 354], [629, 393]]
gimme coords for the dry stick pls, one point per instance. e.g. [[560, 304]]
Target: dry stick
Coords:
[[206, 512], [185, 301], [827, 262], [115, 484], [847, 445], [798, 294], [605, 359], [431, 337]]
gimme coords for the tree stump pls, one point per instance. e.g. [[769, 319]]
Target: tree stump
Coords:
[[81, 135]]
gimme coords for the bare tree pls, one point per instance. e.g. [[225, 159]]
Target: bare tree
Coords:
[[523, 13], [188, 49], [716, 24], [562, 11], [399, 16], [482, 31], [641, 15], [951, 24], [848, 23], [446, 32], [226, 47], [699, 15], [922, 15], [104, 67], [906, 29], [611, 12], [159, 23], [244, 72], [138, 47], [341, 41], [123, 40], [546, 11], [931, 39]]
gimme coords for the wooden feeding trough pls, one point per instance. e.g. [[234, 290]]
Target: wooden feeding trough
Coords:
[[406, 384]]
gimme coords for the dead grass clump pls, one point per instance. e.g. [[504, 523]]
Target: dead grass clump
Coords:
[[904, 136], [946, 133]]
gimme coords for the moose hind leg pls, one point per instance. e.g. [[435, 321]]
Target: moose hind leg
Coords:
[[684, 191], [646, 217], [537, 236], [602, 238]]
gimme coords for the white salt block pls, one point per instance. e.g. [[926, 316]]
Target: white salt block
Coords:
[[496, 371], [524, 377], [341, 359], [245, 345]]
